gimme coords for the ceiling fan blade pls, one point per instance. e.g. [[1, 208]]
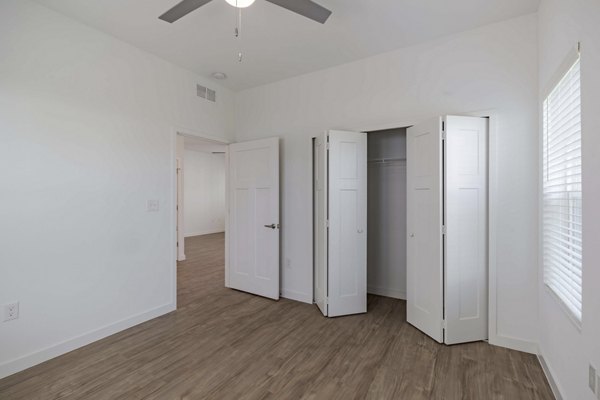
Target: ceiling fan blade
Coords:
[[306, 8], [182, 9]]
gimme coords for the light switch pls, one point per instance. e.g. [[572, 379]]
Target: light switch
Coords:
[[11, 311]]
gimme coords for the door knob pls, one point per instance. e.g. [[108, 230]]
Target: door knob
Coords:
[[359, 230], [412, 235], [272, 226]]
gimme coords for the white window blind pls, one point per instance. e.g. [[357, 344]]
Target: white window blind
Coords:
[[562, 191]]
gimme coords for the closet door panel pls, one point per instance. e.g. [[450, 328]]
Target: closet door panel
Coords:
[[424, 227], [347, 255], [466, 263]]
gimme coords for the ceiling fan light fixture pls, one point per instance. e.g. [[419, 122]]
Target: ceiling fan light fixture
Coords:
[[240, 3], [219, 75]]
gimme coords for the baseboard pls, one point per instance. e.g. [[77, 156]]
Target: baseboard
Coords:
[[514, 344], [19, 364], [386, 292], [551, 381], [201, 233], [298, 296]]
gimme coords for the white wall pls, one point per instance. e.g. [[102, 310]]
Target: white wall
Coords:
[[386, 214], [567, 350], [493, 67], [85, 140], [204, 193]]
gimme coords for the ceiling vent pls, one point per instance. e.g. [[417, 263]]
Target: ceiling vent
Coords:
[[206, 93], [211, 95]]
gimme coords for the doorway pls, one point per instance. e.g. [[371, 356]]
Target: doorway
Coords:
[[386, 213], [228, 194], [201, 211]]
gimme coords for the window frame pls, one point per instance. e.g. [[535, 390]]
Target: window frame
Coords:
[[568, 63]]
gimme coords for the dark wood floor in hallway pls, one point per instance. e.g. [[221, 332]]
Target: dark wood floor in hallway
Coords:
[[224, 344]]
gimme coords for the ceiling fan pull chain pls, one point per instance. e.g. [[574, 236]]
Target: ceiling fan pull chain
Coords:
[[238, 22], [238, 30]]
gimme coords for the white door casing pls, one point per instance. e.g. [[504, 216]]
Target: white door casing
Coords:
[[465, 266], [253, 236], [179, 211], [179, 171], [320, 221], [347, 255], [424, 228]]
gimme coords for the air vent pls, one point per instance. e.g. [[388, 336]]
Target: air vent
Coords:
[[211, 95], [206, 93], [201, 91]]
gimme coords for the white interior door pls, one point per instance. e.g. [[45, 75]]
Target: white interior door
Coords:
[[320, 221], [466, 289], [254, 217], [424, 273], [347, 256]]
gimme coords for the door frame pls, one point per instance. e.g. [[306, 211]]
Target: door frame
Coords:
[[175, 132], [179, 207], [493, 128], [315, 220]]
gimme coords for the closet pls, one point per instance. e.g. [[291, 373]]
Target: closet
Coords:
[[360, 219], [386, 213], [403, 213]]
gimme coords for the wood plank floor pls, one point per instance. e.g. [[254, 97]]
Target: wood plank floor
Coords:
[[224, 344]]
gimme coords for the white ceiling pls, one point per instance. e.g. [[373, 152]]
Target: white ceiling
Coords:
[[277, 43]]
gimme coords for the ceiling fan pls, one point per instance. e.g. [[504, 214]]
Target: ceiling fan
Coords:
[[306, 8]]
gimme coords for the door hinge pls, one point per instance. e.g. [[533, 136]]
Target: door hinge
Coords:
[[327, 223], [443, 130], [444, 229], [327, 146], [444, 324]]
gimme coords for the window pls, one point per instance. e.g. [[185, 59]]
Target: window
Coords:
[[562, 191]]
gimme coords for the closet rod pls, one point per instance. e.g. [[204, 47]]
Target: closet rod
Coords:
[[386, 160]]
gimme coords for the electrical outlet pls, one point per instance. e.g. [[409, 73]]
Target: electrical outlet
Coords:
[[592, 378], [11, 311], [288, 263]]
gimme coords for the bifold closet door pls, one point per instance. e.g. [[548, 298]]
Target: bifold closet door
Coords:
[[466, 264], [347, 255], [424, 269]]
